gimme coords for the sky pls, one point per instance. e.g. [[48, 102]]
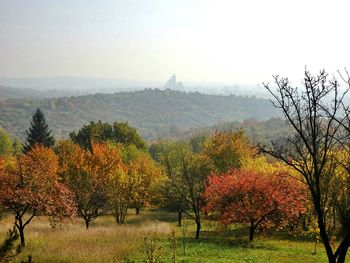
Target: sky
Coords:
[[232, 42]]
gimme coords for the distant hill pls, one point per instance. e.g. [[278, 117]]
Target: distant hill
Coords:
[[155, 113], [77, 84], [20, 93]]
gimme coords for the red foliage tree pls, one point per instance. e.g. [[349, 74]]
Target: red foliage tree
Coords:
[[250, 197], [31, 187]]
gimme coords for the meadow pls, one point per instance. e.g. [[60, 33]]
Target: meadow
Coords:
[[107, 241]]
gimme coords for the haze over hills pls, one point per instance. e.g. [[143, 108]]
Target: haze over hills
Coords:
[[76, 86], [155, 113], [11, 92]]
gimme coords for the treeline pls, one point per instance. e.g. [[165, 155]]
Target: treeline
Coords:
[[155, 113]]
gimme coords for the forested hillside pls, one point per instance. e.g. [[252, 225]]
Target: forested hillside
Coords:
[[155, 113]]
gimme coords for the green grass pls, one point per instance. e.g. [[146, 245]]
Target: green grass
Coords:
[[106, 241]]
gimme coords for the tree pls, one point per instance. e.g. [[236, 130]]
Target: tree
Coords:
[[314, 114], [173, 200], [95, 132], [38, 133], [227, 150], [120, 190], [30, 186], [187, 175], [17, 147], [245, 196], [87, 174], [125, 134], [99, 132], [147, 176], [6, 143], [148, 173]]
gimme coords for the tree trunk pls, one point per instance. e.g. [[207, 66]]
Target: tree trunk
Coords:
[[199, 226], [343, 248], [120, 212], [342, 254], [21, 234], [87, 223], [137, 210], [20, 227], [323, 231], [179, 217], [251, 232]]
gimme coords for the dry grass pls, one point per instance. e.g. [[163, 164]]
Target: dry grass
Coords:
[[105, 241]]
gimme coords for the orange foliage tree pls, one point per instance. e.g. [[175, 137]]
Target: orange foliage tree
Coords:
[[251, 197], [31, 187], [87, 173]]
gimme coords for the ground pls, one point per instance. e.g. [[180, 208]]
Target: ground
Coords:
[[106, 241]]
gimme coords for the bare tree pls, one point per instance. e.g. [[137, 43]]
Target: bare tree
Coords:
[[314, 113]]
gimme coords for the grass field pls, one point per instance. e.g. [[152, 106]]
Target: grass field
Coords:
[[106, 241]]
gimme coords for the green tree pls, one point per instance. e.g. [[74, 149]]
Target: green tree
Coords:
[[38, 132], [187, 177], [99, 132], [125, 134], [227, 150], [6, 143], [17, 147]]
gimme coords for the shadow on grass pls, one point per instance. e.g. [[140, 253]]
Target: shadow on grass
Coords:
[[151, 215], [224, 242], [235, 238], [297, 236]]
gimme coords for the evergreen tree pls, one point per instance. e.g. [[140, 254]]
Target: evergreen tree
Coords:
[[38, 132]]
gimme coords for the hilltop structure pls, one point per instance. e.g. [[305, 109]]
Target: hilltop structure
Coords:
[[173, 84]]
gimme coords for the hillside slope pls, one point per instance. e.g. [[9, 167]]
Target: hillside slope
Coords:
[[155, 113]]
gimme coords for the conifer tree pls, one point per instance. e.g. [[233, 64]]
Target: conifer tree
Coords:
[[38, 132]]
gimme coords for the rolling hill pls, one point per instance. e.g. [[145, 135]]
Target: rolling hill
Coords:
[[155, 113]]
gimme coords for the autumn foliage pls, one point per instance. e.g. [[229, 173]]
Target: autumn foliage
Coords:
[[227, 150], [135, 185], [88, 173], [30, 186], [255, 198]]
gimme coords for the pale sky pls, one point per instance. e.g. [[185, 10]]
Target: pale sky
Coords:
[[241, 42]]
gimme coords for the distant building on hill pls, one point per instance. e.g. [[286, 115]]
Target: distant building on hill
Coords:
[[173, 84]]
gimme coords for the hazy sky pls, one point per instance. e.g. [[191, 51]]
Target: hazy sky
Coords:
[[206, 41]]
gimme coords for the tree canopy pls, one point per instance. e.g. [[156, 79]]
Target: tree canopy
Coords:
[[99, 132], [30, 186]]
